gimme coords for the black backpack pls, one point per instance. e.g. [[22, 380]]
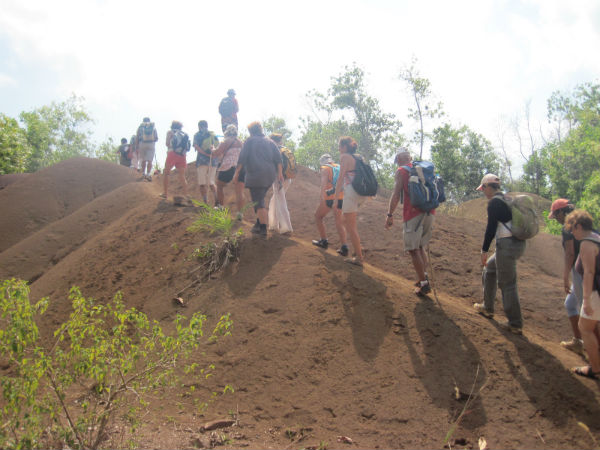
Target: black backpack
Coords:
[[364, 182], [180, 142], [226, 107]]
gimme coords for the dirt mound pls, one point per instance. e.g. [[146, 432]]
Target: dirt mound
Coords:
[[11, 178], [37, 199], [476, 209], [321, 349]]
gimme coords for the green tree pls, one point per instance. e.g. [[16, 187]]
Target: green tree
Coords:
[[319, 138], [275, 124], [57, 132], [107, 150], [462, 157], [425, 105], [14, 148]]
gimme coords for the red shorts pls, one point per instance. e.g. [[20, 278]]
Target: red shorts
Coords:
[[173, 159]]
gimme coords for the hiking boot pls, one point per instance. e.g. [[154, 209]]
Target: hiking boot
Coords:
[[423, 289], [574, 344], [256, 227], [480, 308], [323, 243], [343, 250], [508, 327], [263, 231]]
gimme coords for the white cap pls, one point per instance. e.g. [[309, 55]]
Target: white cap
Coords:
[[488, 178], [325, 159]]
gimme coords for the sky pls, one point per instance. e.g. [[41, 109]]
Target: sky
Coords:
[[175, 60]]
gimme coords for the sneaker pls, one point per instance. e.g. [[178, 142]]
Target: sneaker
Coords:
[[263, 231], [508, 327], [256, 228], [423, 289], [343, 250], [149, 178], [480, 308], [574, 344], [323, 243]]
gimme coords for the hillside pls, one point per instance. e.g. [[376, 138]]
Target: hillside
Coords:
[[319, 348]]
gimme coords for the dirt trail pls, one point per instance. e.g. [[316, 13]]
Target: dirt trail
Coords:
[[320, 349]]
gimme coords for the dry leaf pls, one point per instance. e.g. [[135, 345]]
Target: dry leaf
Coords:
[[179, 301], [482, 443], [345, 440]]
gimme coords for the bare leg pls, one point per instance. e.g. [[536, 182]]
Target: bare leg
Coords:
[[182, 181], [239, 195], [320, 213], [590, 342], [352, 230], [166, 180], [220, 192], [339, 224], [263, 216], [574, 321], [418, 261]]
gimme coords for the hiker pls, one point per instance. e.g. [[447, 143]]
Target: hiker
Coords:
[[146, 139], [418, 224], [133, 147], [261, 160], [559, 210], [228, 152], [500, 269], [580, 224], [329, 175], [228, 108], [205, 142], [351, 200], [279, 215], [124, 152], [177, 147]]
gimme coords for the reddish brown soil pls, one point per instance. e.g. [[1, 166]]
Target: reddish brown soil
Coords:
[[319, 348]]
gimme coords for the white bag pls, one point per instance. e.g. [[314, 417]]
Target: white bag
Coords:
[[279, 215]]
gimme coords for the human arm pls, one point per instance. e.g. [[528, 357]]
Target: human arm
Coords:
[[569, 261], [498, 211], [588, 253], [339, 185], [324, 183], [394, 199]]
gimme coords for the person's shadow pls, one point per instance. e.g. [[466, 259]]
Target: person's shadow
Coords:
[[257, 258], [448, 364], [365, 306], [558, 394]]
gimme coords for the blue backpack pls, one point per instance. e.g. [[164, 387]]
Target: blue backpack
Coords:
[[425, 188]]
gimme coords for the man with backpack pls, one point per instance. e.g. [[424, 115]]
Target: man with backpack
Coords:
[[228, 108], [178, 144], [330, 172], [205, 142], [418, 223], [500, 269], [124, 152], [146, 138]]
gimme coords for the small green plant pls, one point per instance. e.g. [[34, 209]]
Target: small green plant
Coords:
[[117, 355], [551, 226], [216, 256]]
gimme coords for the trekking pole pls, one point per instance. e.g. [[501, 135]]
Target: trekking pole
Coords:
[[432, 280]]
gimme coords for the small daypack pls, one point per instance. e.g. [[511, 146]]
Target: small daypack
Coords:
[[290, 169], [524, 223], [180, 142], [364, 182], [335, 173], [425, 188], [148, 132], [227, 107]]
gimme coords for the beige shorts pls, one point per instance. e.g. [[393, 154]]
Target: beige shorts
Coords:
[[595, 304], [352, 200], [417, 231], [206, 175], [146, 151]]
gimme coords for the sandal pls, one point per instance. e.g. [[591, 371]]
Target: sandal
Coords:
[[582, 372], [354, 261]]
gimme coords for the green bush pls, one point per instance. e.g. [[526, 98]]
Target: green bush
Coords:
[[117, 355]]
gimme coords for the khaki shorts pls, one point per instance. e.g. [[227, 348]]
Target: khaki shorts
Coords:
[[146, 150], [206, 175], [351, 200], [417, 231], [595, 304]]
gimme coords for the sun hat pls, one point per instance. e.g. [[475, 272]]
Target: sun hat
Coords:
[[488, 178], [557, 205], [325, 159]]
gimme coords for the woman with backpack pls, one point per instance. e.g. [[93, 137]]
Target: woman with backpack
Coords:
[[351, 200], [580, 224], [175, 158], [228, 152], [329, 176]]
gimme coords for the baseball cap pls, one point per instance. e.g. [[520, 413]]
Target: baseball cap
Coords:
[[488, 178], [325, 158], [557, 205]]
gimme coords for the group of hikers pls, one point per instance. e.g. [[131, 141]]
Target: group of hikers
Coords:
[[261, 163]]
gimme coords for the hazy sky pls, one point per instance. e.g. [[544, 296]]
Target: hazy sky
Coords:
[[176, 59]]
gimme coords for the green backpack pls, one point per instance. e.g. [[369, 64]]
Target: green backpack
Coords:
[[524, 224]]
